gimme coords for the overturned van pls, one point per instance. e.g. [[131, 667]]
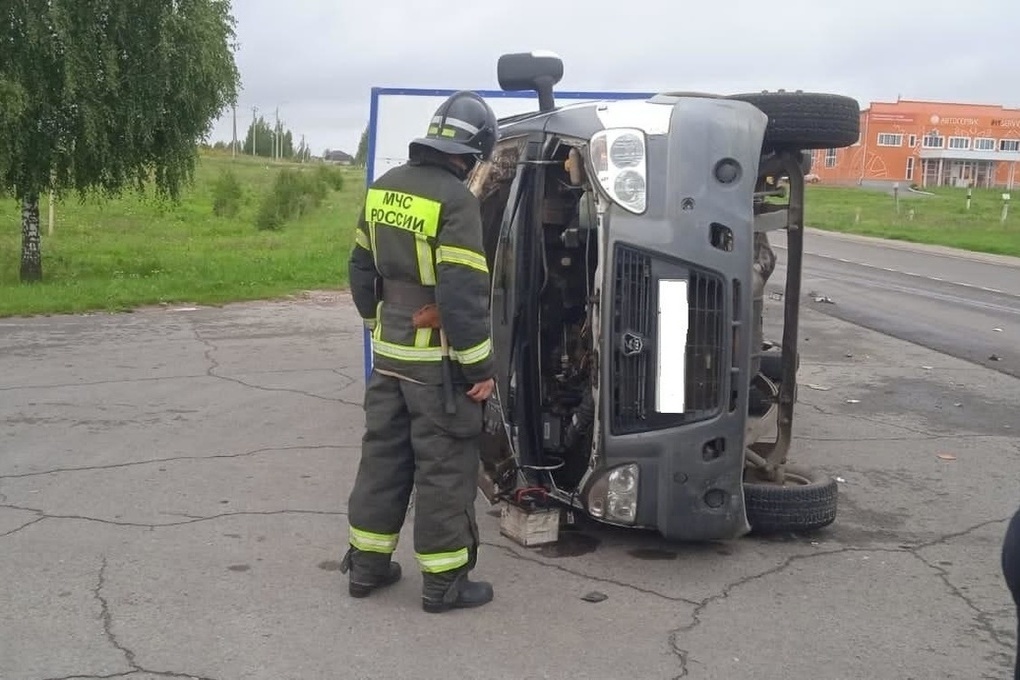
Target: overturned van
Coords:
[[628, 247]]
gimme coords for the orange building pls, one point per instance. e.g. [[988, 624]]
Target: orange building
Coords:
[[929, 144]]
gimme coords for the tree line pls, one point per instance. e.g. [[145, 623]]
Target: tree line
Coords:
[[269, 142], [262, 139]]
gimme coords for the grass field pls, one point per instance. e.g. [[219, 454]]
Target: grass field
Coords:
[[942, 219], [132, 251], [135, 251]]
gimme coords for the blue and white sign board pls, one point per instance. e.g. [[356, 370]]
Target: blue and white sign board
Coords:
[[398, 115]]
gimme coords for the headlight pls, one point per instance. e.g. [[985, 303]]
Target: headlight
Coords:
[[614, 496], [618, 157]]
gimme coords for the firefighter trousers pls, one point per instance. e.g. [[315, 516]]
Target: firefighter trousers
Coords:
[[411, 442]]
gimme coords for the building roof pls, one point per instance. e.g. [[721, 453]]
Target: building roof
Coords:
[[946, 109]]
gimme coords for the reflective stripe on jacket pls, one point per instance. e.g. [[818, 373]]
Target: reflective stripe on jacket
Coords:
[[421, 231]]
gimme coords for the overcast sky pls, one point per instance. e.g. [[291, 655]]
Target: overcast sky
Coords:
[[318, 59]]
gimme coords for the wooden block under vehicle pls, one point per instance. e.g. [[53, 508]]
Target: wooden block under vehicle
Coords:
[[529, 527]]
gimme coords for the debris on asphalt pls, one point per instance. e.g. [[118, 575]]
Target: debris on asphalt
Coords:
[[595, 596], [994, 357], [947, 456], [818, 297], [840, 480], [820, 388], [928, 368], [996, 330], [853, 401]]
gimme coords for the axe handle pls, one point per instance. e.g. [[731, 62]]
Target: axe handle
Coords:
[[448, 403]]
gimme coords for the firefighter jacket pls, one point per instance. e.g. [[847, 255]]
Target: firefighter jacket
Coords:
[[419, 241]]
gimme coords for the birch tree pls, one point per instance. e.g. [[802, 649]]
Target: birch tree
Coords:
[[99, 96]]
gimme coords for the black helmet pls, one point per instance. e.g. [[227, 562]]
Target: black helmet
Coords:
[[463, 125]]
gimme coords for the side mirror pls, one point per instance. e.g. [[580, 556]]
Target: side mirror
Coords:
[[536, 71]]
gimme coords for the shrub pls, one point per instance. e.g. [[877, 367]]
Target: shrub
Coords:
[[279, 204], [331, 177], [269, 215], [227, 195], [293, 194]]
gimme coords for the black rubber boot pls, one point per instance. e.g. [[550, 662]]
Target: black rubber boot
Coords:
[[453, 590], [369, 571]]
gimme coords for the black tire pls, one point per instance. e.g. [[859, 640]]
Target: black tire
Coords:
[[806, 502], [807, 120]]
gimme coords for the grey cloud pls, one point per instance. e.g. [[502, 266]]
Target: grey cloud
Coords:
[[318, 59]]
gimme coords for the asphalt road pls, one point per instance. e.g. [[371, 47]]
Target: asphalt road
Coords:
[[963, 304], [173, 498]]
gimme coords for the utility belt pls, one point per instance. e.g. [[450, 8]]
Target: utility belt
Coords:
[[421, 299], [413, 296], [408, 295]]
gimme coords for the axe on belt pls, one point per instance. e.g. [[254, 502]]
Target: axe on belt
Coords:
[[428, 317]]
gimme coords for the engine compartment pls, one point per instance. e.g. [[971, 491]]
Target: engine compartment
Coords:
[[569, 243], [550, 261]]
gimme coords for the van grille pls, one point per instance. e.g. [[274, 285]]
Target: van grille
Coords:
[[633, 350]]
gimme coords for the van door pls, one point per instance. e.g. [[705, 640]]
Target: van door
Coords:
[[498, 474]]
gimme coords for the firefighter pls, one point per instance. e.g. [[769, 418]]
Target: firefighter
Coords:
[[420, 280]]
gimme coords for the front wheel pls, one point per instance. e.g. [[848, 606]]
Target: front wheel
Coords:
[[806, 502]]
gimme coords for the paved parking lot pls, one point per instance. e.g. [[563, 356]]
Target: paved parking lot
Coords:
[[173, 487]]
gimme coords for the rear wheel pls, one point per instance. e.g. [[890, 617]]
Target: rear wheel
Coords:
[[806, 120], [806, 502]]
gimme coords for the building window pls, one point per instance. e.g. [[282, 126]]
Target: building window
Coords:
[[1009, 145], [959, 143], [830, 158], [910, 168], [913, 141], [932, 140], [889, 139], [984, 144]]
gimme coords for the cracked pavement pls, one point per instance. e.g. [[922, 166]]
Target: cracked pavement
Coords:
[[173, 490]]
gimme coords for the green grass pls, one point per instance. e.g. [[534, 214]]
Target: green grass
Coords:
[[942, 219], [134, 251]]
